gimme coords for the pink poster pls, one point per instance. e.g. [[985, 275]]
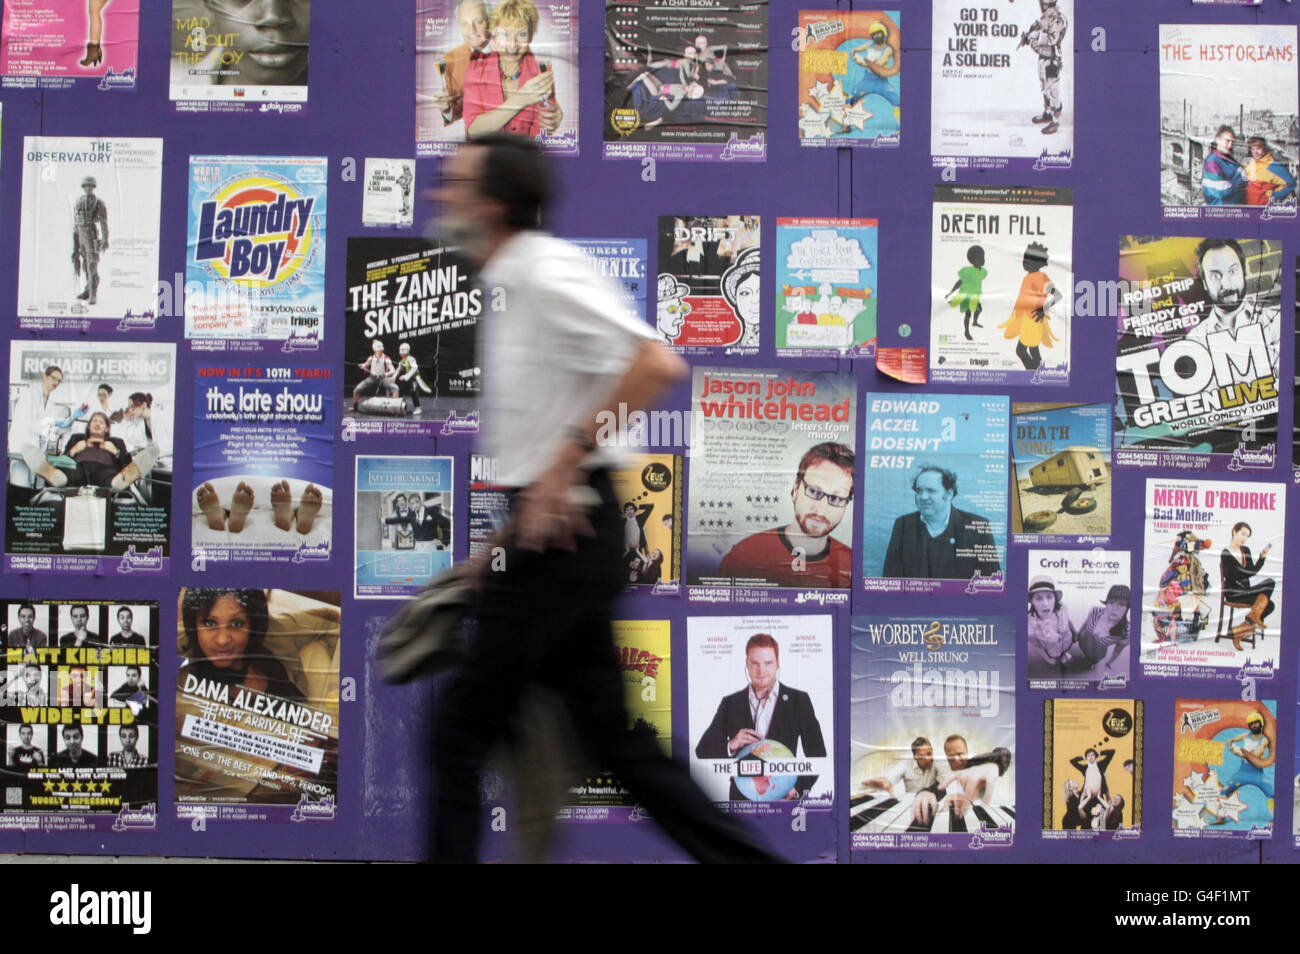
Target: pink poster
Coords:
[[52, 44]]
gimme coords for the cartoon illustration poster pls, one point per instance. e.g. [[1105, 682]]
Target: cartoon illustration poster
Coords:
[[709, 284], [79, 715], [226, 60], [1003, 255], [1197, 356], [649, 488], [1002, 76], [645, 666], [257, 705], [263, 484], [937, 466], [1228, 107], [769, 761], [59, 44], [1061, 489], [826, 287], [411, 325], [1080, 623], [787, 528], [403, 524], [89, 232], [850, 66], [1198, 623], [496, 66], [90, 457], [686, 80], [1092, 769], [1224, 768], [932, 732], [256, 252]]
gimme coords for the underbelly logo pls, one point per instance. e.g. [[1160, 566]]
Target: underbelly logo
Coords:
[[102, 908], [257, 231]]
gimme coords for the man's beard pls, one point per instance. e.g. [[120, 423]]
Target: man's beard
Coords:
[[1229, 299]]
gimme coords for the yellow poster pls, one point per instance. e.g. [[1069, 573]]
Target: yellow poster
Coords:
[[1092, 768]]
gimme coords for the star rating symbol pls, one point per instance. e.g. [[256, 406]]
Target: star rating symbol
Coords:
[[856, 116], [63, 786], [49, 786], [1231, 807], [76, 786]]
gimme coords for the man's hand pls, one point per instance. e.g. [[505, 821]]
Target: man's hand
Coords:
[[741, 739], [924, 807], [959, 802], [881, 783], [546, 517]]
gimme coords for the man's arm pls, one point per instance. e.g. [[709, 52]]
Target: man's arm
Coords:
[[713, 743], [545, 514]]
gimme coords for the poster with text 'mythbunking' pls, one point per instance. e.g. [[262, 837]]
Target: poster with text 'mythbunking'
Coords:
[[257, 705]]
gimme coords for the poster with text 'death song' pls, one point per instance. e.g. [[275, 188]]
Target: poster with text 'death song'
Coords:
[[1198, 345], [79, 717], [257, 705], [826, 287], [1001, 281], [1228, 105], [932, 721], [850, 69], [1002, 79], [785, 533], [1225, 752], [777, 756], [256, 253], [937, 466], [1092, 769], [1213, 560]]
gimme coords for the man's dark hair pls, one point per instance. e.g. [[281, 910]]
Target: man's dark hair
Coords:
[[23, 606], [136, 668], [841, 455], [1210, 244], [763, 641], [516, 173], [1225, 128], [919, 741], [105, 387], [948, 477], [1093, 751], [51, 368], [79, 606]]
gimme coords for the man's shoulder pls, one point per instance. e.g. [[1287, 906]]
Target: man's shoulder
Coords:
[[733, 698], [796, 695]]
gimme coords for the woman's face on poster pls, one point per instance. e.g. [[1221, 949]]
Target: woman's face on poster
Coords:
[[747, 305], [224, 632], [1044, 602], [512, 39]]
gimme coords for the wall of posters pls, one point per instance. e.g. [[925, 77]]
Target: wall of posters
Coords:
[[1224, 755], [489, 504], [403, 524], [708, 287], [1003, 254], [1228, 105], [90, 457], [411, 322], [1080, 619], [789, 525], [225, 61], [79, 715], [1061, 481], [1197, 357], [850, 69], [257, 705], [255, 268], [826, 287], [1203, 624], [687, 81], [89, 231], [935, 462], [781, 758], [389, 198], [922, 686], [1092, 768], [1002, 79], [496, 66], [263, 484], [645, 664], [58, 44], [649, 487]]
